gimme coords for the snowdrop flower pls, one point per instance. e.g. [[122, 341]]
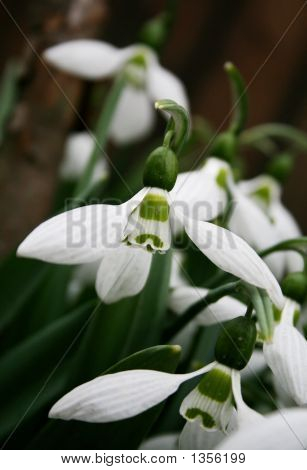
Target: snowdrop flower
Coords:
[[77, 152], [125, 237], [281, 430], [146, 81], [262, 220], [286, 355], [125, 394]]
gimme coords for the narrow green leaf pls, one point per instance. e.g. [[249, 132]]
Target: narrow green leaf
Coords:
[[19, 278], [35, 373]]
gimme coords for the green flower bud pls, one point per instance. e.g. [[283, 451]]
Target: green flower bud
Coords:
[[225, 146], [294, 286], [155, 32], [161, 169], [280, 166], [236, 342]]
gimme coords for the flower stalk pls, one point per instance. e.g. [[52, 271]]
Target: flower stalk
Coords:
[[84, 186]]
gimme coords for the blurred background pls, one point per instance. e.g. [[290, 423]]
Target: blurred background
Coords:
[[266, 40]]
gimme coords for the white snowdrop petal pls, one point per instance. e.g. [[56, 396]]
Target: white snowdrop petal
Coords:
[[122, 273], [287, 228], [249, 222], [165, 441], [134, 116], [116, 396], [79, 235], [119, 396], [78, 149], [245, 414], [286, 356], [198, 193], [232, 254], [194, 437], [86, 58], [162, 84], [76, 236], [284, 429]]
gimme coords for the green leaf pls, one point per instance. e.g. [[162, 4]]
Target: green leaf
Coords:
[[149, 315], [126, 434], [19, 278], [102, 344], [43, 310], [28, 287], [35, 373]]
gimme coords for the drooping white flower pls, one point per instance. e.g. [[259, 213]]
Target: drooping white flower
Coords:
[[78, 149], [126, 394], [284, 429], [120, 395], [262, 220], [124, 238], [286, 355], [147, 81]]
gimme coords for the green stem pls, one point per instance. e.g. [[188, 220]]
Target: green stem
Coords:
[[269, 313], [240, 104], [101, 134], [277, 131], [294, 244], [260, 311], [179, 123], [213, 296]]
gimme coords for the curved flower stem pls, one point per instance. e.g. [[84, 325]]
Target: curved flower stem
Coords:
[[101, 133], [213, 296], [260, 311], [179, 123], [276, 131], [240, 104], [294, 244]]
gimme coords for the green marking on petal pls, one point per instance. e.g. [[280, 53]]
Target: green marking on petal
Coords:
[[216, 385], [221, 178], [264, 193], [154, 207], [207, 420], [138, 59], [277, 314], [296, 317], [156, 241]]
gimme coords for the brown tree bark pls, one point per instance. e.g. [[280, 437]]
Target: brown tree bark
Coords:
[[31, 152]]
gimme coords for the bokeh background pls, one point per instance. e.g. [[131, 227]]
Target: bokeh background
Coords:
[[266, 39]]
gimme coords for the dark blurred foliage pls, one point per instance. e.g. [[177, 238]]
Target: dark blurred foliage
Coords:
[[266, 40]]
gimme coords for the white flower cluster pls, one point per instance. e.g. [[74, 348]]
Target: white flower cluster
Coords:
[[117, 244]]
